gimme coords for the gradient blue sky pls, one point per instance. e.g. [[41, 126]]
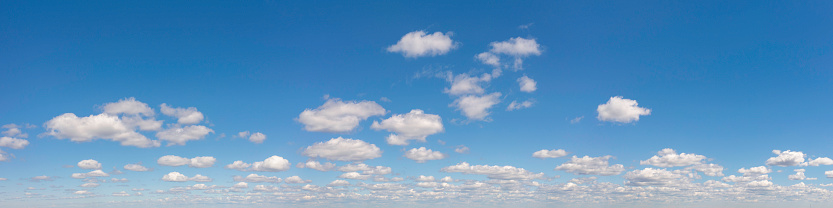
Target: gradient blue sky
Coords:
[[728, 81]]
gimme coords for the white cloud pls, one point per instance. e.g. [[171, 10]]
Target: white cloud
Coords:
[[89, 185], [527, 84], [415, 125], [366, 169], [422, 154], [197, 162], [549, 153], [13, 130], [337, 116], [618, 109], [591, 166], [175, 177], [255, 178], [89, 164], [820, 161], [576, 120], [181, 135], [494, 172], [828, 173], [5, 156], [477, 107], [708, 169], [315, 165], [755, 171], [13, 143], [423, 178], [488, 58], [200, 178], [339, 183], [272, 164], [463, 84], [342, 149], [786, 158], [418, 43], [462, 149], [257, 138], [41, 178], [129, 106], [799, 175], [515, 105], [669, 158], [121, 193], [651, 177], [188, 115], [241, 185], [83, 192], [95, 173], [447, 179], [296, 179], [354, 175], [101, 126], [238, 165]]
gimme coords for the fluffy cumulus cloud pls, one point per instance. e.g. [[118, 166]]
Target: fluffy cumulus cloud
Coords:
[[494, 172], [366, 169], [464, 84], [129, 106], [820, 161], [415, 125], [591, 166], [755, 171], [95, 173], [339, 183], [786, 158], [651, 177], [339, 116], [179, 177], [549, 153], [272, 164], [101, 126], [296, 179], [341, 149], [418, 43], [354, 176], [517, 47], [476, 107], [89, 164], [462, 149], [255, 178], [197, 162], [515, 105], [621, 110], [188, 115], [257, 138], [13, 130], [181, 135], [527, 84], [708, 169], [315, 165], [669, 158], [136, 167], [423, 154], [828, 173], [13, 143], [799, 175]]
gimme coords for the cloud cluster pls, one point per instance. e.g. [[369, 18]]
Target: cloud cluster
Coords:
[[197, 162], [591, 166], [517, 48]]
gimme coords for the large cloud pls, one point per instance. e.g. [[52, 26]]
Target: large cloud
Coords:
[[618, 109], [342, 149], [197, 162], [415, 125], [101, 126], [494, 172], [786, 158], [669, 158], [476, 107], [423, 154], [181, 135], [338, 116], [591, 166], [188, 115], [418, 43]]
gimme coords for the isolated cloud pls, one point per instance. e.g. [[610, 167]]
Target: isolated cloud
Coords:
[[101, 126], [13, 143], [197, 162], [651, 177], [621, 110], [423, 154], [89, 164], [342, 149], [493, 172], [315, 165], [188, 115], [272, 164], [181, 135], [257, 138], [755, 171], [476, 107], [129, 106], [255, 178], [786, 158], [418, 43], [338, 116], [175, 177], [415, 125], [462, 149], [828, 173], [669, 158], [515, 105], [296, 179], [591, 166], [95, 173], [200, 178], [238, 165], [549, 153], [136, 167], [527, 84]]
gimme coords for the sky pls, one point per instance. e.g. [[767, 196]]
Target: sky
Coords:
[[416, 104]]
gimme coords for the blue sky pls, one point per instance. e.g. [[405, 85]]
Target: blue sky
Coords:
[[709, 102]]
